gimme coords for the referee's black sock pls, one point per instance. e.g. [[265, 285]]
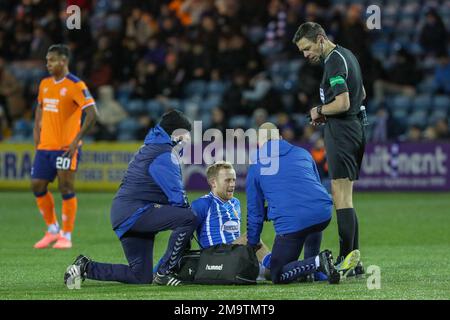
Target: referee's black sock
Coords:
[[356, 238], [346, 227]]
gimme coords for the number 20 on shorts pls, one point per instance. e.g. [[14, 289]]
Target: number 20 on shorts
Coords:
[[63, 163]]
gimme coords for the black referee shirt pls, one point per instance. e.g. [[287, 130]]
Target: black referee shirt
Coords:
[[342, 73]]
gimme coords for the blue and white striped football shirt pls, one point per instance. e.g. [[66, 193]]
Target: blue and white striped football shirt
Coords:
[[219, 220]]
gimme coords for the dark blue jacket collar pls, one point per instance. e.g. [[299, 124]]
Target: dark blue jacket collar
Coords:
[[158, 135]]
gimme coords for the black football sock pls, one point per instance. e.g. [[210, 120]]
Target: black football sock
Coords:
[[356, 238], [346, 228]]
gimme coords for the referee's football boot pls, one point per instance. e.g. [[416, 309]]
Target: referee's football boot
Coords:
[[346, 265], [358, 271], [168, 279], [327, 267], [77, 271]]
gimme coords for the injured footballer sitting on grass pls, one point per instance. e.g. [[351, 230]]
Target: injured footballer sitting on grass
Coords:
[[217, 221]]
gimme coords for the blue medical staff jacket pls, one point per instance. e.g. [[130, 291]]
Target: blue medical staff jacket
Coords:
[[286, 177], [153, 177]]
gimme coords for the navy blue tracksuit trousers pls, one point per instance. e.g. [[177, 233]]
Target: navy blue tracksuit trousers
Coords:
[[138, 244], [284, 264]]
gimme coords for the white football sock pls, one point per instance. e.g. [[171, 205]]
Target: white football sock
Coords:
[[53, 228], [262, 271]]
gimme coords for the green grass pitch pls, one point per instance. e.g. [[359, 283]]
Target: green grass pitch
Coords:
[[406, 235]]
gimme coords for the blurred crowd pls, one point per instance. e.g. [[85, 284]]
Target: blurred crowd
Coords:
[[229, 63]]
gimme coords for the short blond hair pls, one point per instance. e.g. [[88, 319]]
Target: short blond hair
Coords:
[[213, 170]]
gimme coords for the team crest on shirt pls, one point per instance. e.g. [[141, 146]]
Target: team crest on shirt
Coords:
[[63, 92], [45, 90]]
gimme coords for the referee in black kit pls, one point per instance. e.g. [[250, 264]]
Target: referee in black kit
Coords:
[[342, 92]]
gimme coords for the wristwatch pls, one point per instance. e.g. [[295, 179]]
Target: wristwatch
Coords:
[[319, 110]]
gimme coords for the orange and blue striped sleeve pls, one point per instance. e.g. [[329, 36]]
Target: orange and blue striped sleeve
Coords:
[[82, 96]]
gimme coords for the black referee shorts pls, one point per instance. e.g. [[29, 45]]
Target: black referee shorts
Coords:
[[344, 143]]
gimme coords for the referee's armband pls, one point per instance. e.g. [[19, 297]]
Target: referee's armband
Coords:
[[338, 84], [336, 80]]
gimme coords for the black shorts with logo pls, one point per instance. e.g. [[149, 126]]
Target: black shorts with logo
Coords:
[[344, 143]]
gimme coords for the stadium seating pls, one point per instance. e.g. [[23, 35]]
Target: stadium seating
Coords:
[[401, 23], [206, 121], [135, 107], [216, 87], [210, 102], [196, 87], [401, 20], [23, 131], [418, 118], [239, 122], [127, 129], [399, 103], [437, 115], [422, 102], [442, 103], [154, 108]]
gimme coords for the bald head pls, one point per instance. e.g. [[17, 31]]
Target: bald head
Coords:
[[267, 131]]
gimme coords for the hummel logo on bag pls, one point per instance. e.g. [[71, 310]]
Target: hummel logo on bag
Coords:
[[214, 267]]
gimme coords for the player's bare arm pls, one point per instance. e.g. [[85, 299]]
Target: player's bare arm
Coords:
[[340, 104], [37, 125], [89, 121]]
